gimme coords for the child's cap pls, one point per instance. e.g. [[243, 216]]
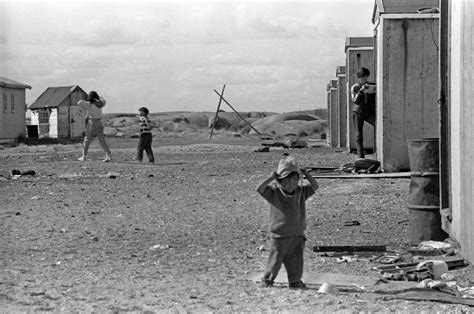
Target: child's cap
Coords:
[[287, 166], [144, 109]]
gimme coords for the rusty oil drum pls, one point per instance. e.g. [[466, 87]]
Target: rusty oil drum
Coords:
[[423, 200]]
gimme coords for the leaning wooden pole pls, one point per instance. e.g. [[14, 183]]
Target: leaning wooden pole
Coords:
[[243, 119], [217, 112]]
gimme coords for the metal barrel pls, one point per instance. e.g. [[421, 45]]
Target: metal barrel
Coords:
[[423, 200]]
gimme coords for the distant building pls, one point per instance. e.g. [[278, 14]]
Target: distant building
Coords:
[[12, 110], [56, 113]]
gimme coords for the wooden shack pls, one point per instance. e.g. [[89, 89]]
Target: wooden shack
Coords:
[[332, 114], [407, 78], [12, 112], [342, 105], [359, 53], [457, 127], [56, 112]]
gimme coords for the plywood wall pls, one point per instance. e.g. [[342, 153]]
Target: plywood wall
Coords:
[[407, 91], [342, 109], [12, 120], [462, 125]]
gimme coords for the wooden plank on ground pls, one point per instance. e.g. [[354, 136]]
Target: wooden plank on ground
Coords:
[[364, 176], [312, 277], [350, 248]]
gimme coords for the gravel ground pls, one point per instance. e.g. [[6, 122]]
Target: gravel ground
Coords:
[[182, 234]]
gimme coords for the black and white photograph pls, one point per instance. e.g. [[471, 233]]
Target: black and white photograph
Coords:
[[267, 156]]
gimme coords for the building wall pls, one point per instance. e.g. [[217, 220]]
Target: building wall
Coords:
[[462, 126], [342, 109], [407, 79], [12, 118], [355, 59], [70, 119], [333, 117]]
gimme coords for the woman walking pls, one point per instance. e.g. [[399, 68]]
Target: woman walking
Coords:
[[94, 128]]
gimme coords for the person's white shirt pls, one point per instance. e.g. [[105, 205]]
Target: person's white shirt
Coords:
[[93, 111]]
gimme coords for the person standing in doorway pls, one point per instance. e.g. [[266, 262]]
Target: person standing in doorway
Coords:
[[363, 107], [94, 128]]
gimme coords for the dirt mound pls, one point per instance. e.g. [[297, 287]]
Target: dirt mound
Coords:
[[297, 123], [301, 124]]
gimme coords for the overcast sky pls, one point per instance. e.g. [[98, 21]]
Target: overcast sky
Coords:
[[272, 56]]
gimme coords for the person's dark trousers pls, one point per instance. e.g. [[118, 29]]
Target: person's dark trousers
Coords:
[[359, 119], [288, 251], [144, 144]]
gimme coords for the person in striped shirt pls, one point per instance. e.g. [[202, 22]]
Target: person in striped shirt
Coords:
[[146, 138]]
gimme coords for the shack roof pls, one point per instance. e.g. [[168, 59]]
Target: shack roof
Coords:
[[5, 82], [53, 96], [400, 7], [341, 69], [358, 42]]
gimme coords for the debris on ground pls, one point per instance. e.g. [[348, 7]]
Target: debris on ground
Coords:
[[349, 248]]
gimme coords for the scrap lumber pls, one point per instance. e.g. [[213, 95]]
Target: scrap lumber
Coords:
[[411, 267], [423, 294], [350, 248], [238, 114], [364, 176], [217, 112]]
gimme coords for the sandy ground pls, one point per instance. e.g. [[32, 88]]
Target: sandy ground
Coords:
[[182, 234]]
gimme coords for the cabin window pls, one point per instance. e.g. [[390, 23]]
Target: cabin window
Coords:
[[5, 105], [12, 99], [43, 116]]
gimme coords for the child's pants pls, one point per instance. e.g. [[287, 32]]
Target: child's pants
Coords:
[[288, 251], [144, 144]]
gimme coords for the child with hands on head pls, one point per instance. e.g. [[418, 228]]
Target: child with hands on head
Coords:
[[287, 199]]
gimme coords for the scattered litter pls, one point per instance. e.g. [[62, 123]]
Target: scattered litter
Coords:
[[36, 197], [327, 288], [264, 149], [261, 248], [160, 247], [351, 223], [94, 238], [349, 248], [436, 268], [16, 172], [112, 175], [446, 286], [388, 259], [346, 259], [28, 173], [433, 245]]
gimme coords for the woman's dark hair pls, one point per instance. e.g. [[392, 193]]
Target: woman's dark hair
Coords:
[[93, 97], [363, 72], [145, 110]]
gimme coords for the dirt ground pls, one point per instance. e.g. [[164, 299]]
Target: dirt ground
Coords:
[[182, 234]]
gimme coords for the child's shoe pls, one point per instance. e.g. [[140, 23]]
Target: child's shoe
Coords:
[[297, 285], [266, 283], [107, 158], [136, 159], [82, 158]]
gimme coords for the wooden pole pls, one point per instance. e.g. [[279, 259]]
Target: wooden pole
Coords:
[[217, 111], [243, 119]]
